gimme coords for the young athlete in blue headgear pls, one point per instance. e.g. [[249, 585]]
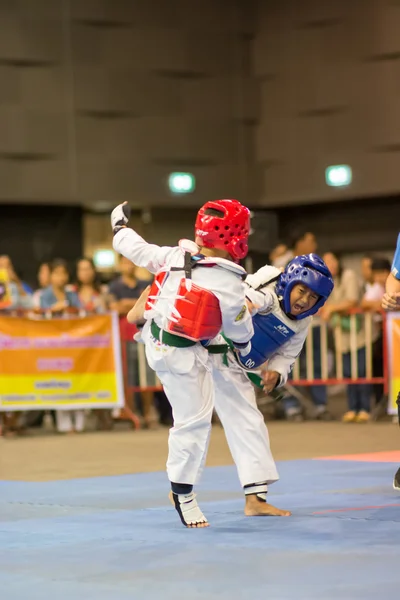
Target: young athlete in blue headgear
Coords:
[[283, 305]]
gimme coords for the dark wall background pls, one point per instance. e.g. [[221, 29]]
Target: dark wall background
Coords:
[[100, 100], [328, 75], [35, 234]]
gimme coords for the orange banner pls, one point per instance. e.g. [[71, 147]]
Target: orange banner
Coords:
[[60, 363], [393, 337]]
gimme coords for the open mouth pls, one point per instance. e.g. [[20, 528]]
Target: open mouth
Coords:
[[298, 307]]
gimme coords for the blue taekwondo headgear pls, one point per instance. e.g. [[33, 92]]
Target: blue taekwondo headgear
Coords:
[[310, 270]]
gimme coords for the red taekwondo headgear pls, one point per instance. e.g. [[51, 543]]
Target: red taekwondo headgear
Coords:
[[224, 225]]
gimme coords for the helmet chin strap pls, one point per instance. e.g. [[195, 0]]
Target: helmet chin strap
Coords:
[[288, 314]]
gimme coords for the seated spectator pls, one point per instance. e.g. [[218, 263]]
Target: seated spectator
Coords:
[[56, 297], [125, 290], [88, 287]]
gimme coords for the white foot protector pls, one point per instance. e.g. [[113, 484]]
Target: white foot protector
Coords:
[[188, 509]]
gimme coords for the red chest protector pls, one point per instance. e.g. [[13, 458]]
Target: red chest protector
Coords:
[[196, 314]]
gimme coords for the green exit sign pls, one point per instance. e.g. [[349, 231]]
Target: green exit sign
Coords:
[[338, 175], [181, 183]]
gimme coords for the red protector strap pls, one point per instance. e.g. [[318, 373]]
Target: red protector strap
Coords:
[[198, 315]]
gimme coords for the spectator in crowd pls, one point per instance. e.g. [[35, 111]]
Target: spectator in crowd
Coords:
[[366, 271], [303, 242], [144, 277], [21, 292], [345, 296], [280, 256], [88, 287], [379, 269], [125, 290], [21, 298], [6, 263], [43, 278], [319, 397], [57, 298], [372, 301], [43, 275], [92, 300]]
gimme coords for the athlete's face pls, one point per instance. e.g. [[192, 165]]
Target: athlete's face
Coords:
[[302, 298]]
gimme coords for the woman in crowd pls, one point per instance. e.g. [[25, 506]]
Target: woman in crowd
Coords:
[[88, 287], [56, 298], [92, 300], [43, 278]]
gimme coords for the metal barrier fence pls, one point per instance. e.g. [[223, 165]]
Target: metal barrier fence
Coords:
[[342, 353], [345, 352]]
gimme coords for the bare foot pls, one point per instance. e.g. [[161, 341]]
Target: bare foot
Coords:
[[189, 511], [257, 508]]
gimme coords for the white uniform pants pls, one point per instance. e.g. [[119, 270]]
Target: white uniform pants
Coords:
[[186, 374], [243, 423]]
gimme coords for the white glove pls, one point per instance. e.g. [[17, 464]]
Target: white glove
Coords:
[[120, 216]]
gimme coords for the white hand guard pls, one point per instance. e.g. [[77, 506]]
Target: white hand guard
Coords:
[[120, 216]]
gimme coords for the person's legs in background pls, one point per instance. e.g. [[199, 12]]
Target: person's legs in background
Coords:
[[292, 406], [318, 393], [377, 368], [64, 421], [143, 402], [358, 395], [79, 420], [364, 390]]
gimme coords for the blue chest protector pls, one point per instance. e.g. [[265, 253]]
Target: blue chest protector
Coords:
[[270, 333]]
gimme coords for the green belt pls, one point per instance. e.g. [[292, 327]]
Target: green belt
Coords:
[[180, 342], [254, 378], [177, 341], [169, 338], [217, 349]]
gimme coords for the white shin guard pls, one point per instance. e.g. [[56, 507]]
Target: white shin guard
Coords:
[[188, 509]]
